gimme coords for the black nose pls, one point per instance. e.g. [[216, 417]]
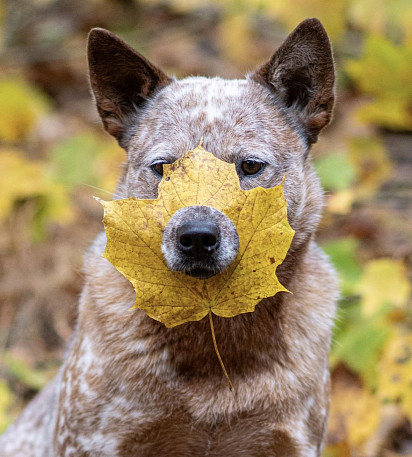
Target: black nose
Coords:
[[198, 238]]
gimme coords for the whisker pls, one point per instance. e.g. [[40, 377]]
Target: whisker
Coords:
[[97, 188]]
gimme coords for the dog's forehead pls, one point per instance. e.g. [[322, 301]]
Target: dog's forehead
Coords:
[[209, 95], [230, 115]]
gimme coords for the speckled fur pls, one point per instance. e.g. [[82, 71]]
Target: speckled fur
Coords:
[[131, 387]]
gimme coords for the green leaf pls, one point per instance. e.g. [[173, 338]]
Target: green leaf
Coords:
[[342, 253], [360, 348], [86, 159], [335, 171], [73, 159], [32, 378]]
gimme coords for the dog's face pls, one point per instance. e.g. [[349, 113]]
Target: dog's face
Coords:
[[239, 124], [263, 124]]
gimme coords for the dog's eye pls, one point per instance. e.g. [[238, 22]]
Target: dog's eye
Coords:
[[251, 167], [157, 168]]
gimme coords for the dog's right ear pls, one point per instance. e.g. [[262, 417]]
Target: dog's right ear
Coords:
[[301, 74], [121, 80]]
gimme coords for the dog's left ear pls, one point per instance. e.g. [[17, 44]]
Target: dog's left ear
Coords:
[[122, 81], [301, 73]]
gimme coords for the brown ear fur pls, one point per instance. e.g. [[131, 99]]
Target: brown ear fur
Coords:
[[301, 73], [121, 80]]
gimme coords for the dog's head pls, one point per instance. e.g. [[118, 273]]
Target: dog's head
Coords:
[[264, 124]]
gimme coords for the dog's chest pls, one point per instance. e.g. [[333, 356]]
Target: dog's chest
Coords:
[[152, 430], [99, 417]]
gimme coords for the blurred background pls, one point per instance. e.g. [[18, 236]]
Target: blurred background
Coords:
[[54, 157]]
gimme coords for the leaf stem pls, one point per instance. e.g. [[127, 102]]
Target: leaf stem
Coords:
[[212, 328]]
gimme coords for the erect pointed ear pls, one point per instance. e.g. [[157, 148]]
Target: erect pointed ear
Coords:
[[301, 73], [121, 80]]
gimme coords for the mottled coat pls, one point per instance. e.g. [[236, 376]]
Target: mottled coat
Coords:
[[131, 387]]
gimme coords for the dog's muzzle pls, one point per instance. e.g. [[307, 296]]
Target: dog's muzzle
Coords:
[[200, 241]]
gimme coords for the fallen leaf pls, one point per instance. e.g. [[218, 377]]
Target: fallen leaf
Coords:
[[371, 162], [335, 171], [24, 179], [343, 254], [21, 107], [135, 228], [341, 202], [360, 347], [395, 382], [384, 283], [391, 93], [354, 416]]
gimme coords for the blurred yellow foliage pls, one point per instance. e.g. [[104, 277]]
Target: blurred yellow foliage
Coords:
[[363, 417], [372, 165], [395, 367], [341, 201], [354, 173], [354, 417], [381, 16], [235, 38], [22, 179], [20, 108], [385, 73], [331, 14], [384, 283], [6, 401]]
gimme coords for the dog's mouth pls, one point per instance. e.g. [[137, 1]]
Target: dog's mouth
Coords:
[[201, 273], [199, 269]]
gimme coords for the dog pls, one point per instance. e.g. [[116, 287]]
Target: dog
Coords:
[[129, 386]]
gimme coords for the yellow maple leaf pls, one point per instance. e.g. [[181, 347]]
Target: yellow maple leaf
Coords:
[[135, 228]]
